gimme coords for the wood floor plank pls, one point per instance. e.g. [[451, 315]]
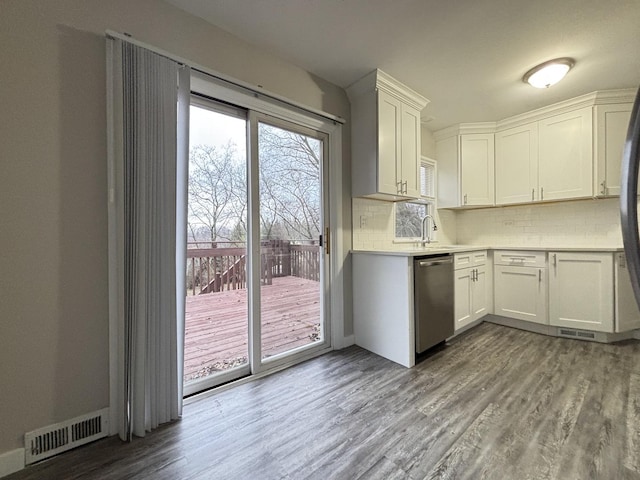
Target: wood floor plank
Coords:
[[496, 403], [632, 443]]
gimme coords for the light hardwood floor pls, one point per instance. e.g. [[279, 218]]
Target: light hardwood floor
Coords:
[[496, 403]]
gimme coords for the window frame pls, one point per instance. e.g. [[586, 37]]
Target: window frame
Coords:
[[430, 203]]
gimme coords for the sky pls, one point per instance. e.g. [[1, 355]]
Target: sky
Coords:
[[212, 128]]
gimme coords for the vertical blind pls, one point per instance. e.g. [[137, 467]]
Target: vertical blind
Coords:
[[148, 158]]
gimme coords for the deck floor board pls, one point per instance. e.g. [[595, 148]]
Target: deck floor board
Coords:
[[216, 325]]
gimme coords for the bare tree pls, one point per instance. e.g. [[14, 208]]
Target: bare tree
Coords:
[[290, 188], [217, 192], [409, 219], [290, 169]]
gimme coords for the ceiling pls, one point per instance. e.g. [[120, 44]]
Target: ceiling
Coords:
[[467, 56]]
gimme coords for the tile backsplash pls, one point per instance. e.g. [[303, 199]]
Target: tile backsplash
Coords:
[[374, 229], [575, 223]]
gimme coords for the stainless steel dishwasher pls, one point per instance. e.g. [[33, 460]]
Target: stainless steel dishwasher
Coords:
[[433, 294]]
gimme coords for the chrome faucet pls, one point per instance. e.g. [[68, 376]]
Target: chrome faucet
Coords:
[[426, 234]]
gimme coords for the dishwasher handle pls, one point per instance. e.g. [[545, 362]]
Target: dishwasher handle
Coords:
[[436, 261]]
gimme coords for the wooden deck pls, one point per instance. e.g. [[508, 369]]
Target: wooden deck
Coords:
[[216, 326]]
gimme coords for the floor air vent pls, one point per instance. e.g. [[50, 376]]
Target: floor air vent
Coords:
[[568, 333], [54, 439], [565, 332]]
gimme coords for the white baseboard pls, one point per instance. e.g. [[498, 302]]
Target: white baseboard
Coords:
[[11, 462]]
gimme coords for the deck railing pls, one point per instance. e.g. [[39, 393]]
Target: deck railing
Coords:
[[216, 269]]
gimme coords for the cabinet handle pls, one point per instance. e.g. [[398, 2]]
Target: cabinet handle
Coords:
[[533, 194], [539, 275], [541, 193], [465, 198], [406, 188], [555, 260], [603, 187], [399, 187]]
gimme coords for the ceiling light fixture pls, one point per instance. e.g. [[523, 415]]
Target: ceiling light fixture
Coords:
[[548, 73]]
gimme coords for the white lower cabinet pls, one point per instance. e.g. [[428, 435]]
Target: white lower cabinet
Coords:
[[581, 290], [470, 289], [521, 293], [520, 282]]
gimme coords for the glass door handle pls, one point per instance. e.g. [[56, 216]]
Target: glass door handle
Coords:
[[629, 198]]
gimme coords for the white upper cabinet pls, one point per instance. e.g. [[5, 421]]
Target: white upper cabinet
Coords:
[[565, 155], [611, 124], [477, 168], [385, 138], [466, 163], [568, 150], [410, 157], [546, 160], [517, 165]]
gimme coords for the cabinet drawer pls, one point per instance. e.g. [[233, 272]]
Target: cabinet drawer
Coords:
[[516, 258], [469, 259]]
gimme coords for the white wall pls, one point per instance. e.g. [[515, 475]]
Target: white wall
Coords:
[[53, 187]]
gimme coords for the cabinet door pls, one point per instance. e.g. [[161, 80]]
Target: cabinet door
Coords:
[[517, 165], [410, 155], [520, 292], [477, 169], [462, 310], [565, 155], [479, 300], [581, 290], [612, 122], [389, 118]]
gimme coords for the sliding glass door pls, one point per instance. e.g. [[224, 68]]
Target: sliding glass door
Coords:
[[216, 317], [256, 289], [291, 214]]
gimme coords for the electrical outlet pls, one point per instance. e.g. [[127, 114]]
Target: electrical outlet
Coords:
[[508, 223], [363, 221]]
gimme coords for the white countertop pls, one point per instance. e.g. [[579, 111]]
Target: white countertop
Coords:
[[411, 251]]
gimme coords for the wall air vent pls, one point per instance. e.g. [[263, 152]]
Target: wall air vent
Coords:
[[54, 439]]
